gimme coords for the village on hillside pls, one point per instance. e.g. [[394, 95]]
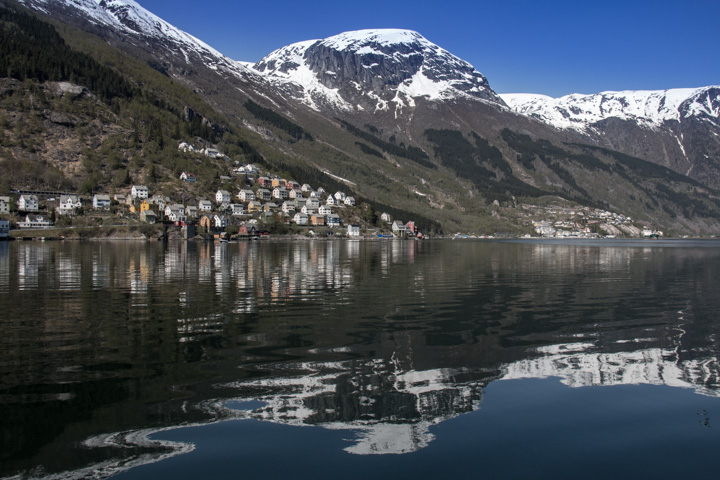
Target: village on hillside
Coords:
[[254, 203], [585, 222]]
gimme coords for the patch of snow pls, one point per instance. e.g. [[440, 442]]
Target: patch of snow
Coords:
[[651, 109], [344, 180]]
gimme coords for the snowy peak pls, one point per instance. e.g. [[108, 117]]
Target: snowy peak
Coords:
[[650, 109], [123, 15], [387, 65], [140, 27], [382, 41]]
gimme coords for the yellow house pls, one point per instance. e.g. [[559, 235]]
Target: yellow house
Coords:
[[143, 206], [254, 207], [278, 182]]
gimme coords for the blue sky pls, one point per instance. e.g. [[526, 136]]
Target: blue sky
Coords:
[[521, 46]]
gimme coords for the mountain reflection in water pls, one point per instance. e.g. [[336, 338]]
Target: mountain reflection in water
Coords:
[[106, 346]]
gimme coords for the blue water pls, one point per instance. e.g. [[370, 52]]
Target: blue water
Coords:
[[536, 428], [358, 359]]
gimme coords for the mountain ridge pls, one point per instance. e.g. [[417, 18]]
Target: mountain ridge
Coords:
[[452, 157], [652, 107], [677, 128]]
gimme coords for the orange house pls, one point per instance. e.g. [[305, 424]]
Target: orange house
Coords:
[[143, 206], [206, 222]]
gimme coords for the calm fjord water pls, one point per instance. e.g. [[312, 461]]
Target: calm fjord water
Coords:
[[350, 359]]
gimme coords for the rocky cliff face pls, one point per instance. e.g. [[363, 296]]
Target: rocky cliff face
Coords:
[[373, 70]]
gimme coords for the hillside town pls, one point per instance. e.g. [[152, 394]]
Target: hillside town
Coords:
[[252, 203], [585, 222]]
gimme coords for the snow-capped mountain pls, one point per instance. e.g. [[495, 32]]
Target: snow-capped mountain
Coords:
[[651, 109], [372, 70], [677, 128], [142, 28], [420, 106]]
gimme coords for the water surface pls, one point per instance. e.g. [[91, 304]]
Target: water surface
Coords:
[[359, 358]]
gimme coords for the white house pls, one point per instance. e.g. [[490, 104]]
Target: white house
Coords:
[[307, 210], [300, 218], [101, 201], [185, 147], [35, 221], [139, 191], [160, 201], [28, 203], [212, 153], [288, 208], [220, 221], [353, 230], [68, 205], [246, 195], [177, 207], [188, 177], [222, 196], [295, 193], [340, 196], [191, 211], [385, 217], [280, 193], [349, 201], [237, 209], [4, 205], [175, 213], [248, 169], [324, 210], [306, 188], [330, 200], [313, 203], [398, 228]]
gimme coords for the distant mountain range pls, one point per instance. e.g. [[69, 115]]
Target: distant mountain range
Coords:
[[406, 123], [678, 128]]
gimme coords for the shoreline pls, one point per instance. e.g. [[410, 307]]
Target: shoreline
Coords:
[[41, 237]]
